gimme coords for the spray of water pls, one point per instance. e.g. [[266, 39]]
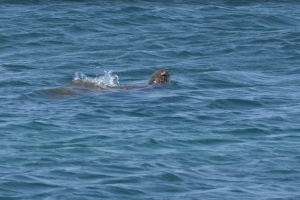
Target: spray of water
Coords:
[[107, 80]]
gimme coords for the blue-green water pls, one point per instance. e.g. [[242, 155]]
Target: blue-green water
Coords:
[[226, 127]]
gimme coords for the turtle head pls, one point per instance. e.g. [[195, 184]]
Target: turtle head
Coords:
[[160, 77]]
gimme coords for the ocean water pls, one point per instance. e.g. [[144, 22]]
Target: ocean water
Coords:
[[78, 120]]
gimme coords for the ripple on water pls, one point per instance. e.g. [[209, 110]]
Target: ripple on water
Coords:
[[11, 186], [234, 104], [14, 83], [17, 67]]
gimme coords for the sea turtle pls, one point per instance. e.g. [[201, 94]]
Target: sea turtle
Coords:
[[79, 86]]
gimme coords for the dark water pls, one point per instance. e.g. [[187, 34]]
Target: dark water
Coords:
[[226, 127]]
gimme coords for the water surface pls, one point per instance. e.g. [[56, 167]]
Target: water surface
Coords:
[[226, 127]]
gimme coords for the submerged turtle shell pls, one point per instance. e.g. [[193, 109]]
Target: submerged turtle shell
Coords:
[[160, 77]]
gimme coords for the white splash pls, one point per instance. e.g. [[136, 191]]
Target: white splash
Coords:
[[107, 80]]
